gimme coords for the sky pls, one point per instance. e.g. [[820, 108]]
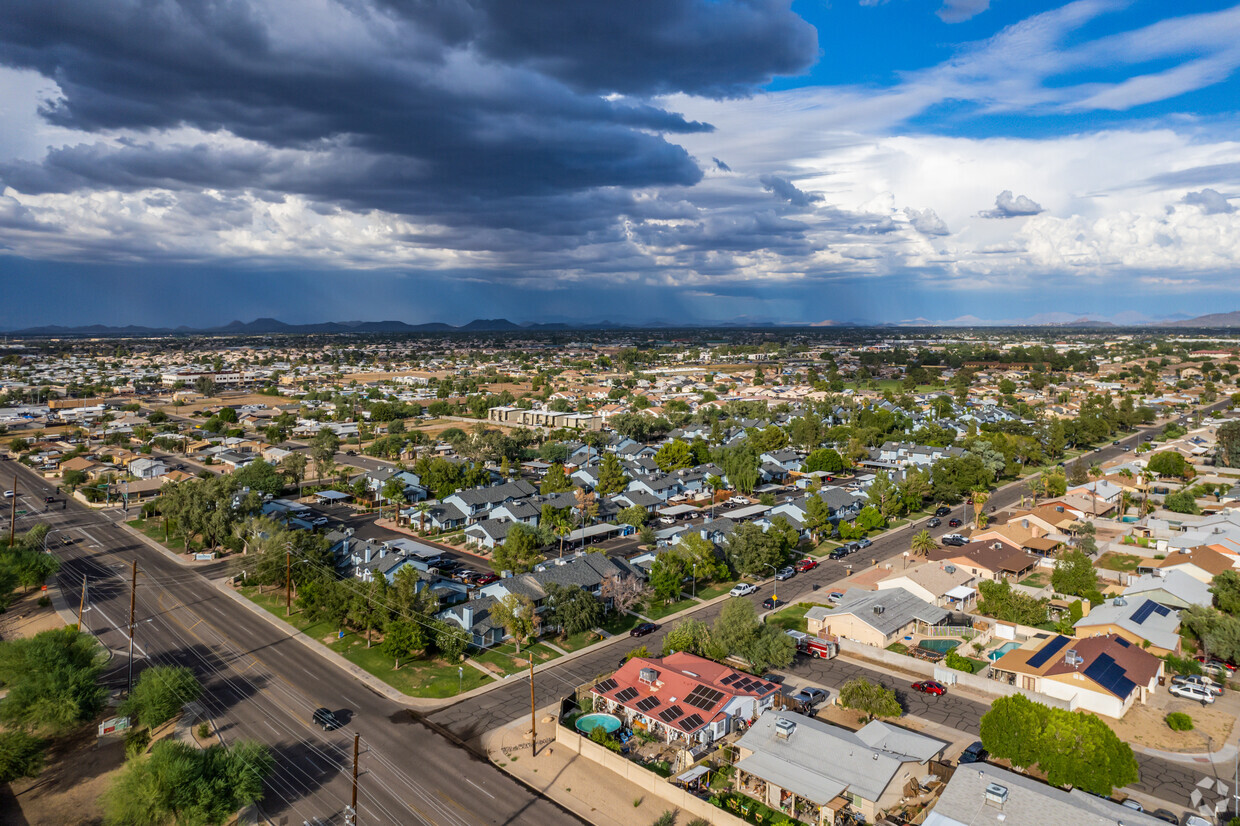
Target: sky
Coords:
[[788, 161]]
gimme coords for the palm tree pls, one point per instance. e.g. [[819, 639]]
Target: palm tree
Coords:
[[1036, 486], [923, 542], [979, 497], [422, 508]]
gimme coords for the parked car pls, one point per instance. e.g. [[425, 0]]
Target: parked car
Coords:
[[954, 539], [326, 718], [785, 573], [770, 603], [1135, 805], [810, 696], [954, 523], [642, 629], [930, 687], [807, 564], [738, 500], [835, 596], [319, 521], [942, 511], [1165, 816], [486, 579], [1213, 665], [1193, 692], [974, 753], [743, 589], [934, 522], [8, 494], [837, 553], [1197, 679], [864, 543]]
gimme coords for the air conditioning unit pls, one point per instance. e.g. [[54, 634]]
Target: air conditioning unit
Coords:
[[995, 794], [784, 727], [1072, 658], [1119, 602], [878, 609], [951, 569]]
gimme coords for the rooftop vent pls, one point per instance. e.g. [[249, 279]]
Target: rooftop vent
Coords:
[[784, 727], [1119, 602], [951, 569], [878, 609], [1072, 658], [995, 794]]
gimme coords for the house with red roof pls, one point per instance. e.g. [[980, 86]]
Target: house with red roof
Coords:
[[683, 697]]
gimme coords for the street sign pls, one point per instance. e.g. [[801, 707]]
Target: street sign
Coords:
[[113, 725], [203, 557]]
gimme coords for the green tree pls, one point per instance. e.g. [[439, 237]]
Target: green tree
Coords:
[[177, 783], [870, 699], [692, 636], [394, 492], [739, 632], [1074, 574], [675, 455], [1182, 501], [160, 693], [401, 638], [21, 755], [667, 576], [883, 496], [451, 641], [515, 614], [957, 662], [611, 477], [825, 459], [1001, 602], [1226, 590], [52, 680], [259, 476], [1228, 436], [72, 479], [635, 515], [519, 552], [1169, 463], [555, 481], [323, 451], [750, 551], [573, 608], [923, 542]]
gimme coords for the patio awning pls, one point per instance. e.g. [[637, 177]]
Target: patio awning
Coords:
[[961, 592], [692, 774]]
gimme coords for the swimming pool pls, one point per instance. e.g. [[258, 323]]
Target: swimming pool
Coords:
[[940, 646], [1001, 650], [607, 722]]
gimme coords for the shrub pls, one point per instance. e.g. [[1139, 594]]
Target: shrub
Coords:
[[1182, 665], [958, 663], [204, 730], [136, 741], [1179, 721], [44, 602], [598, 735]]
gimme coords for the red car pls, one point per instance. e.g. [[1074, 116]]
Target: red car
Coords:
[[955, 523], [486, 579], [807, 565], [930, 687]]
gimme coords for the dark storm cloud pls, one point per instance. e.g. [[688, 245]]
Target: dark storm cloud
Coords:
[[432, 124], [721, 166], [788, 191]]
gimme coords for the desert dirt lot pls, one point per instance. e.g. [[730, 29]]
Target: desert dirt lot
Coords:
[[1144, 725]]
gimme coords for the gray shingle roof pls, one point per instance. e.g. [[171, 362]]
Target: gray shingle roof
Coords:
[[899, 608]]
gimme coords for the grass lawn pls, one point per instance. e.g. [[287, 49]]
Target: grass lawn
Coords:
[[792, 618], [619, 623], [579, 640], [417, 677], [898, 648], [154, 529], [1038, 580], [508, 662], [657, 610], [715, 590], [1119, 562]]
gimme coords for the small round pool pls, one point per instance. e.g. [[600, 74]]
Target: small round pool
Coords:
[[589, 722]]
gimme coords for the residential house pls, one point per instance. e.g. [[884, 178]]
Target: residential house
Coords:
[[1104, 674], [823, 774], [876, 618], [1201, 563], [1140, 621], [145, 468], [474, 503], [987, 795], [1172, 589], [994, 559], [683, 697], [938, 583]]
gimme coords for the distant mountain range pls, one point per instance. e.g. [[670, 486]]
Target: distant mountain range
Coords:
[[272, 326]]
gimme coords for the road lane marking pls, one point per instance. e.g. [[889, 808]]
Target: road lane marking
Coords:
[[479, 788]]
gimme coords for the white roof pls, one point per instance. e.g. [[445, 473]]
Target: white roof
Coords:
[[961, 592]]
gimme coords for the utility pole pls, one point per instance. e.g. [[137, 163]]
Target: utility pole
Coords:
[[133, 605], [288, 582], [353, 805], [13, 511], [533, 716], [82, 606]]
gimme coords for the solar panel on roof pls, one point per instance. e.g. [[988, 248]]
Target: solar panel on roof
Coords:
[[731, 678], [627, 694], [606, 685], [667, 715], [704, 697], [1110, 675], [1047, 651], [647, 704], [692, 722], [1149, 607]]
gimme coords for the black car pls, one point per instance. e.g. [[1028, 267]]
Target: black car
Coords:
[[326, 718], [1165, 816], [973, 754], [771, 603], [954, 523], [49, 499], [934, 522], [643, 629], [943, 511], [837, 553]]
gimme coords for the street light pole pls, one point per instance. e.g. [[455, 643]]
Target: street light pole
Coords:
[[695, 580], [533, 715], [133, 604], [775, 586]]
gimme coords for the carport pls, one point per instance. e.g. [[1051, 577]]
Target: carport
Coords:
[[332, 497]]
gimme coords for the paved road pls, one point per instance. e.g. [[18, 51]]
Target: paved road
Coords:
[[263, 685]]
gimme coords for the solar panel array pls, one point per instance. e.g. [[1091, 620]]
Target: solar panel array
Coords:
[[692, 722], [627, 694], [1047, 651], [1110, 675], [606, 685], [1149, 607], [647, 704], [731, 678], [667, 715], [704, 697]]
